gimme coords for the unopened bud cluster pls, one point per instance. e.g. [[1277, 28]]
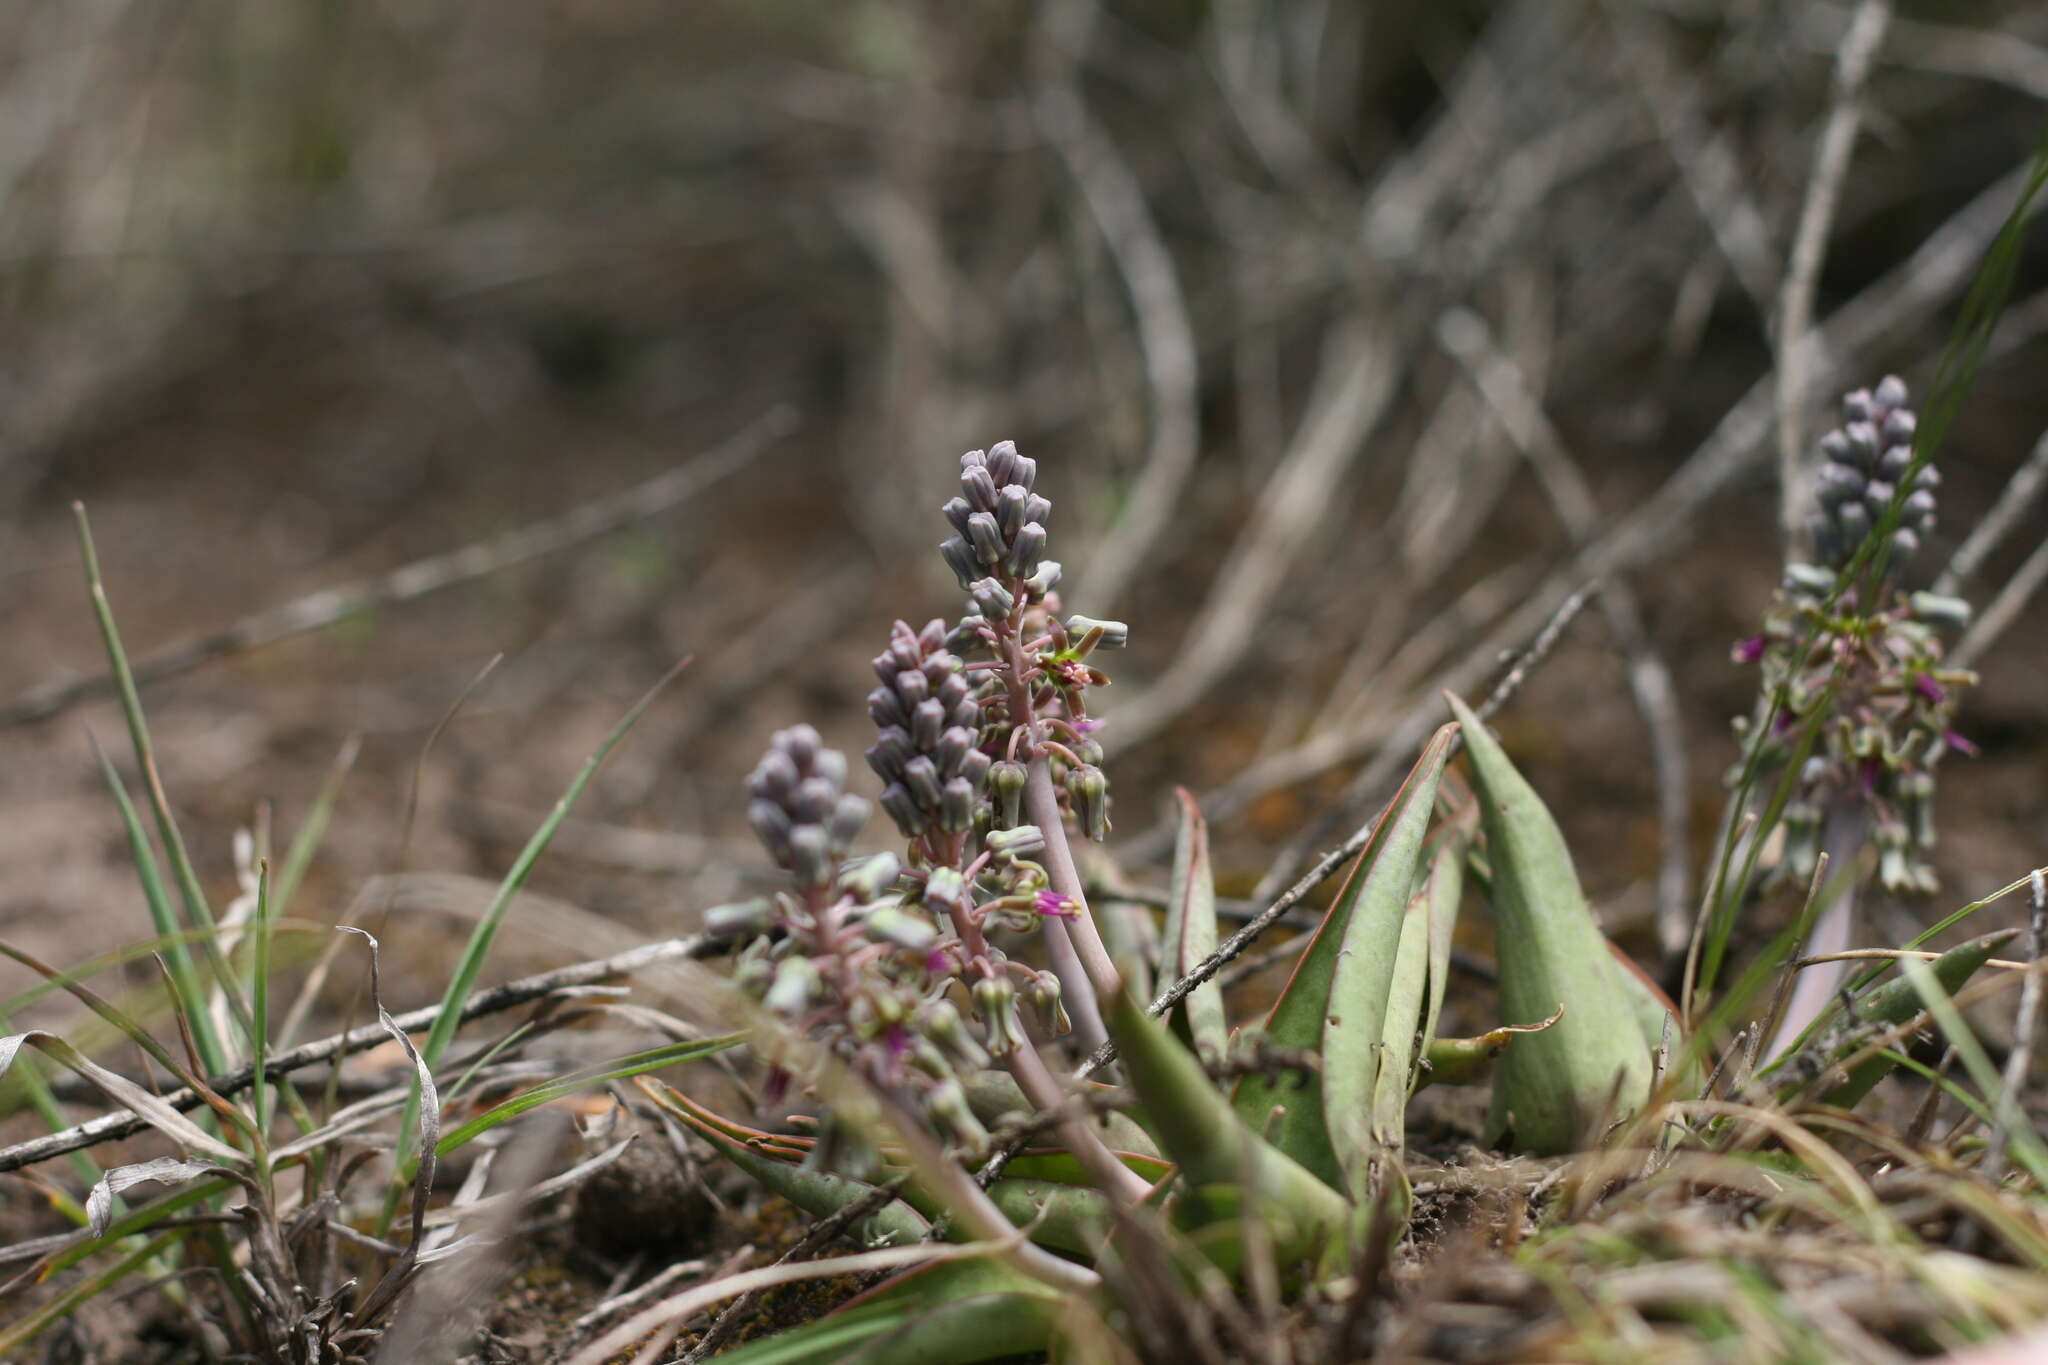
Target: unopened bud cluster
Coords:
[[1863, 463], [928, 753], [863, 955], [888, 961], [1869, 653]]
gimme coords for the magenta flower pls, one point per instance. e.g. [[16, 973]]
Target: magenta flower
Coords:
[[1052, 903], [1930, 689], [1750, 650], [1961, 744]]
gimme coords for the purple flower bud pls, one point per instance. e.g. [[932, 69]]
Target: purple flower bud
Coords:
[[830, 764], [801, 743], [1891, 392], [1929, 689], [1856, 406], [956, 805], [813, 800], [1002, 462], [1038, 509], [1834, 445], [912, 685], [974, 767], [774, 777], [961, 560], [1010, 507], [771, 827], [890, 751], [1929, 477], [1955, 740], [1750, 650], [991, 598], [952, 690], [933, 637], [951, 748], [1862, 440], [986, 536], [849, 816], [904, 810], [1852, 522], [885, 708], [1905, 542], [1919, 508], [810, 855], [979, 489], [1899, 427], [1892, 464], [1877, 497], [921, 776], [1026, 548], [957, 511], [927, 724], [1026, 472], [972, 459]]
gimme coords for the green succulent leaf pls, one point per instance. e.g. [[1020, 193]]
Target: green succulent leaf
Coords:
[[1190, 935], [1378, 987], [1555, 1088], [1420, 970], [1212, 1146], [1336, 1002]]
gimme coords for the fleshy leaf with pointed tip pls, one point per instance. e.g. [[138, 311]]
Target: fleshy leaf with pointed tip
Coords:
[[1554, 1089], [1190, 934], [1420, 970], [1212, 1146], [1336, 1002]]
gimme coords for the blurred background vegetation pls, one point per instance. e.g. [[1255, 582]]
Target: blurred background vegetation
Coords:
[[1351, 338]]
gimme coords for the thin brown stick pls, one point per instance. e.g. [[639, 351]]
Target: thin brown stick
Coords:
[[2014, 502], [315, 611], [498, 998], [2005, 608]]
